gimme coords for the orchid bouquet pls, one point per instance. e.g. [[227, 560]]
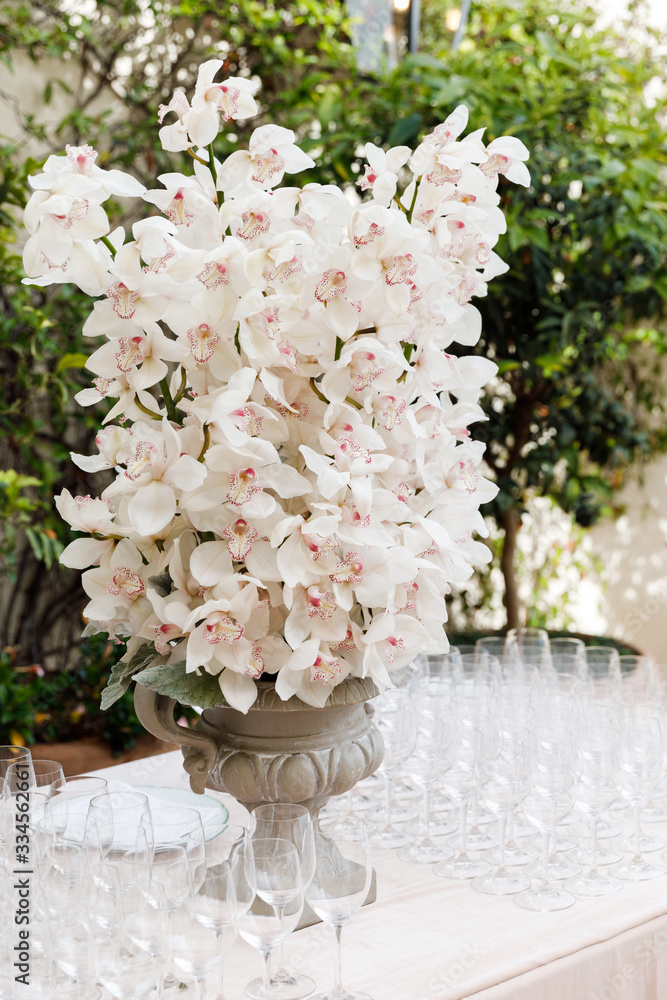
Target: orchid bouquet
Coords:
[[296, 487]]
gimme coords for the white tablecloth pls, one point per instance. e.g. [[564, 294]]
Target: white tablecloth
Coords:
[[428, 938]]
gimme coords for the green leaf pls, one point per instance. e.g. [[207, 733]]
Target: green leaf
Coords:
[[160, 583], [117, 685], [201, 690], [71, 361]]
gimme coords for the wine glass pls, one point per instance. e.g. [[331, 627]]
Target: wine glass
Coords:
[[642, 767], [395, 722], [528, 647], [66, 811], [432, 754], [44, 775], [194, 945], [127, 972], [214, 907], [549, 798], [117, 814], [272, 869], [340, 886], [182, 827], [597, 789], [503, 779], [603, 663], [292, 822], [471, 746], [12, 755]]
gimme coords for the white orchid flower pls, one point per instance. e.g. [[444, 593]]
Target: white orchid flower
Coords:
[[228, 100]]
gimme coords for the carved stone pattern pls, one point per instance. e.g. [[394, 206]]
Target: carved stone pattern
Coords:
[[305, 777]]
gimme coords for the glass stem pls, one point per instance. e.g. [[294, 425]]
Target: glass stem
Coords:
[[280, 957], [546, 838], [428, 792], [266, 955], [338, 975], [463, 811], [509, 840], [388, 790], [502, 832], [637, 810], [594, 844]]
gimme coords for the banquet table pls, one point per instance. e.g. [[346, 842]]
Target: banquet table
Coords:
[[428, 938]]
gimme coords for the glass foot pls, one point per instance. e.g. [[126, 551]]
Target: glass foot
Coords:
[[462, 868], [389, 838], [441, 826], [605, 856], [550, 898], [501, 883], [342, 996], [647, 843], [637, 870], [514, 856], [425, 852], [399, 814], [481, 840], [559, 868], [606, 830], [284, 986], [592, 885]]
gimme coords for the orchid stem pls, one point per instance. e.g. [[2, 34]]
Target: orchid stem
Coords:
[[168, 401], [316, 390], [144, 409], [197, 158], [182, 387], [212, 167], [414, 199], [207, 441], [108, 244]]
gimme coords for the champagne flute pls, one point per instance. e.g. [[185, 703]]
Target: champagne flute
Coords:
[[340, 886]]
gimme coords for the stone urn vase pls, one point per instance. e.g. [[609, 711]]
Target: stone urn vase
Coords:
[[280, 751]]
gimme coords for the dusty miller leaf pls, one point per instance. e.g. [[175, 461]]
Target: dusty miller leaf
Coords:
[[201, 690]]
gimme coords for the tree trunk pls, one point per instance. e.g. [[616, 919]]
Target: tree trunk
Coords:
[[510, 523]]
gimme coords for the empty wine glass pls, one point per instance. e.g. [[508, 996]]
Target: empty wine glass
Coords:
[[214, 907], [549, 798], [642, 767], [42, 775], [432, 754], [396, 724], [603, 663], [116, 816], [272, 869], [194, 946], [127, 972], [67, 809], [340, 886], [503, 778], [12, 755], [470, 747], [528, 647], [598, 750], [292, 822]]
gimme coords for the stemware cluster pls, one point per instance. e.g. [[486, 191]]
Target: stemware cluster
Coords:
[[538, 764], [129, 899]]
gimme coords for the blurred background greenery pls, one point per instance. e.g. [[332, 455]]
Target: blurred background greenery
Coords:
[[575, 324]]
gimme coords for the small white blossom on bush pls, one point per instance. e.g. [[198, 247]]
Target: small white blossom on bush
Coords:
[[296, 487]]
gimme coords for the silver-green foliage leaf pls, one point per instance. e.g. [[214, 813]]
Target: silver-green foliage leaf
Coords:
[[201, 690]]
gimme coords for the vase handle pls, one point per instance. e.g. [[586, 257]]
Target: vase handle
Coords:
[[156, 714]]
